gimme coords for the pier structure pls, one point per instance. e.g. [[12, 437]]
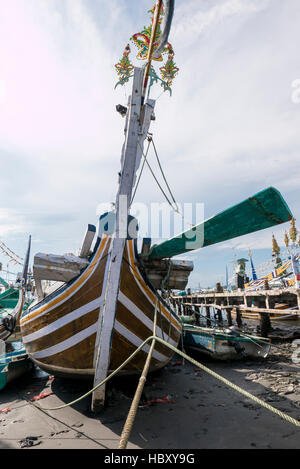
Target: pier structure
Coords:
[[237, 304]]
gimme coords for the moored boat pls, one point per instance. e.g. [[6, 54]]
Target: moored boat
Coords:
[[14, 301], [223, 344], [110, 296], [59, 332], [13, 365], [11, 307]]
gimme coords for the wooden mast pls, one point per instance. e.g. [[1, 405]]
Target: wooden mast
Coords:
[[158, 7], [138, 119]]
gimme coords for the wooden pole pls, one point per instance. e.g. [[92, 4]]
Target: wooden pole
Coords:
[[220, 317], [131, 155], [208, 316], [265, 324], [239, 317], [229, 317], [197, 314]]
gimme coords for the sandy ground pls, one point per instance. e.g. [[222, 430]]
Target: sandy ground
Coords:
[[201, 412]]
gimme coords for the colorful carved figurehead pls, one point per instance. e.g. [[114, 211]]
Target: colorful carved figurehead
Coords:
[[142, 41]]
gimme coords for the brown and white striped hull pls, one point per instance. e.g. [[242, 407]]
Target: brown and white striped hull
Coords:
[[59, 333]]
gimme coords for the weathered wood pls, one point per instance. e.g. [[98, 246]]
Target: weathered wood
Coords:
[[239, 317], [236, 221], [87, 241], [197, 315], [134, 311], [131, 156], [39, 289], [253, 293], [219, 315], [265, 325], [229, 317], [173, 274], [253, 309], [298, 299], [208, 316], [57, 268]]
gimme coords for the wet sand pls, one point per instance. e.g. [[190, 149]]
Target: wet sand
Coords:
[[200, 412]]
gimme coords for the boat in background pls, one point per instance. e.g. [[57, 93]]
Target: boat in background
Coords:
[[224, 344], [14, 363], [14, 300], [11, 304]]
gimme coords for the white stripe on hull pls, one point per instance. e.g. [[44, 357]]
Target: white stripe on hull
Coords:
[[143, 318], [137, 341], [56, 325], [68, 343], [63, 321], [139, 284], [82, 335]]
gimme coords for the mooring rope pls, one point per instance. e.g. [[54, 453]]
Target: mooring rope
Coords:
[[138, 393], [250, 396]]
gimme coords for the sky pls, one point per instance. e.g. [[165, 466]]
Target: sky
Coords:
[[230, 129]]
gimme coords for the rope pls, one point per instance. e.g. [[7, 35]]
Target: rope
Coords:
[[232, 385], [156, 180], [163, 175], [137, 397], [137, 184], [176, 209], [102, 382], [228, 383]]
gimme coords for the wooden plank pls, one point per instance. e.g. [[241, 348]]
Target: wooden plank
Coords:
[[57, 268], [87, 241], [131, 155], [263, 210], [254, 309]]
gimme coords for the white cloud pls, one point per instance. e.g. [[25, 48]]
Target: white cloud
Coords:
[[194, 21], [10, 222]]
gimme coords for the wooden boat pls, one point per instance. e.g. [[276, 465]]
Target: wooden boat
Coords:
[[13, 302], [13, 365], [60, 332], [224, 344], [105, 300]]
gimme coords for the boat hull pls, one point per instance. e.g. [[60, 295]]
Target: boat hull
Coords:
[[12, 366], [10, 312], [59, 333], [223, 346]]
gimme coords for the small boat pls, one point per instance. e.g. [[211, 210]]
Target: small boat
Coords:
[[228, 344], [11, 307], [13, 301], [13, 365]]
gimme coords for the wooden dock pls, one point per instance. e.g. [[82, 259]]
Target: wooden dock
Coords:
[[261, 302]]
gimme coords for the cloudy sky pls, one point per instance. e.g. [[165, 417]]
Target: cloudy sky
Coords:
[[230, 129]]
